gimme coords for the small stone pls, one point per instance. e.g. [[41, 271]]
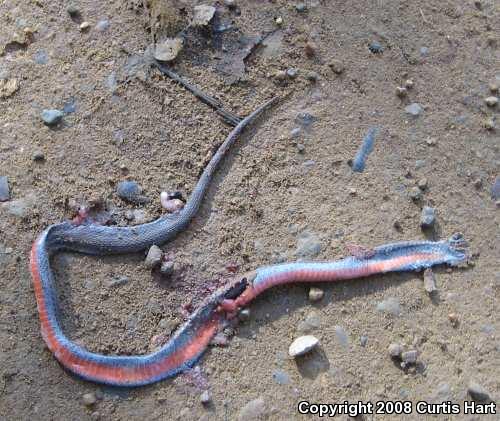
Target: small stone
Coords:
[[489, 123], [478, 392], [279, 21], [280, 75], [315, 294], [281, 377], [429, 281], [118, 282], [395, 350], [300, 7], [401, 91], [491, 101], [390, 305], [52, 117], [363, 340], [102, 25], [376, 48], [493, 86], [310, 323], [409, 83], [38, 156], [312, 76], [337, 66], [253, 410], [230, 3], [4, 189], [478, 4], [295, 132], [495, 189], [302, 345], [89, 399], [202, 15], [300, 148], [415, 194], [130, 192], [205, 398], [244, 315], [168, 50], [292, 73], [308, 245], [342, 336], [427, 217], [409, 357], [167, 268], [478, 183], [414, 109], [453, 318], [431, 141], [422, 183], [153, 257], [8, 87], [73, 11], [310, 49], [84, 26]]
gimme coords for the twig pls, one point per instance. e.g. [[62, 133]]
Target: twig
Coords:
[[423, 16], [231, 118]]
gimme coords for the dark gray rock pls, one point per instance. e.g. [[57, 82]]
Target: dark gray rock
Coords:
[[375, 47], [4, 189], [478, 392], [154, 257], [130, 192]]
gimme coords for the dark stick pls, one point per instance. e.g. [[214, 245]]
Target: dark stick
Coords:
[[231, 118]]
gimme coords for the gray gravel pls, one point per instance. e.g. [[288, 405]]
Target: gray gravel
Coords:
[[4, 189]]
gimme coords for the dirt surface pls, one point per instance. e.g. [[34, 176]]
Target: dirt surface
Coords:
[[279, 195]]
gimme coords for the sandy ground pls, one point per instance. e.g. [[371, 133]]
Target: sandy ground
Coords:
[[279, 194]]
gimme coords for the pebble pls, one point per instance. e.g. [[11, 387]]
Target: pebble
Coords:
[[342, 336], [478, 392], [415, 194], [491, 101], [310, 49], [69, 106], [453, 318], [422, 183], [292, 73], [4, 189], [409, 357], [38, 156], [302, 345], [312, 76], [337, 66], [244, 315], [414, 109], [167, 268], [409, 83], [390, 305], [119, 281], [41, 57], [154, 256], [281, 377], [315, 294], [295, 132], [230, 3], [205, 398], [253, 410], [202, 15], [429, 281], [300, 147], [363, 340], [84, 26], [401, 91], [130, 192], [395, 350], [168, 50], [89, 399], [489, 123], [170, 205], [280, 75], [279, 21], [376, 48], [308, 245], [493, 86], [428, 217], [300, 7], [52, 117], [73, 11], [102, 25], [305, 119], [495, 189]]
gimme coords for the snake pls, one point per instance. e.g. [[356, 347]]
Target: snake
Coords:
[[185, 347]]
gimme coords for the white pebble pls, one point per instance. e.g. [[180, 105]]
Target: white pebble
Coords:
[[302, 345]]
